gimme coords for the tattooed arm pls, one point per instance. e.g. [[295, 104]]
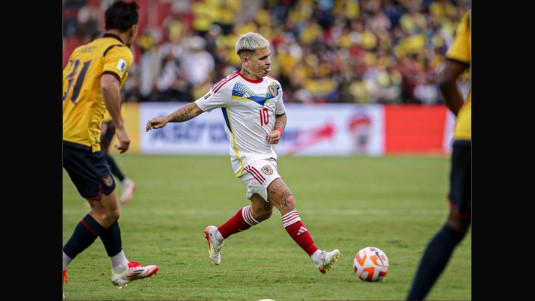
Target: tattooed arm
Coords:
[[184, 113]]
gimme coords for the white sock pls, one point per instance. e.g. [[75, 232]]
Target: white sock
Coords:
[[316, 257], [66, 260], [119, 262], [218, 236]]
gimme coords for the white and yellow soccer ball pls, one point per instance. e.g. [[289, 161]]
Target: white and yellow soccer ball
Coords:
[[371, 264]]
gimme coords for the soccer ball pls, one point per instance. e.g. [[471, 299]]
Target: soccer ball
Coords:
[[370, 264]]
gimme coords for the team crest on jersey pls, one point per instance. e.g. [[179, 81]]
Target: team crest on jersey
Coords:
[[274, 89], [107, 180], [267, 170]]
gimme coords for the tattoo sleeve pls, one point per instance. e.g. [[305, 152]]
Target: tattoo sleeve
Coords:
[[186, 113]]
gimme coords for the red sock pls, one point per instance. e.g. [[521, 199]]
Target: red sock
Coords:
[[298, 231], [241, 221]]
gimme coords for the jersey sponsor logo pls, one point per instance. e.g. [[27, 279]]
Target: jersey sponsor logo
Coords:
[[107, 180], [267, 170], [121, 65], [207, 95]]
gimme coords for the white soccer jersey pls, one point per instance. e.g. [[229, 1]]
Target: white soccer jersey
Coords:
[[249, 108]]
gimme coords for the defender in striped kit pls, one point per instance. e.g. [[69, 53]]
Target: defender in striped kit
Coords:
[[253, 109]]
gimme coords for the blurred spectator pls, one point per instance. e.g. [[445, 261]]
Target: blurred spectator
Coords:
[[89, 19], [148, 66], [171, 84], [360, 89], [425, 91], [393, 10], [226, 12], [198, 67], [204, 14], [344, 51], [389, 86]]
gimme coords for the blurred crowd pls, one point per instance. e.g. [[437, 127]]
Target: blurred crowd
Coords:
[[323, 51]]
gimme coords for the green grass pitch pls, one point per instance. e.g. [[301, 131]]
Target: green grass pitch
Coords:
[[395, 203]]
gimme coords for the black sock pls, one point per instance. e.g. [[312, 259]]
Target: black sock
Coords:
[[111, 238], [433, 262], [85, 233]]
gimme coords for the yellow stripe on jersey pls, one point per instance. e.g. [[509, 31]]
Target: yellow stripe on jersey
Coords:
[[234, 144], [83, 105], [460, 50]]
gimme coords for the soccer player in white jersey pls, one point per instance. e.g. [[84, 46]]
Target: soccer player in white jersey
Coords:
[[254, 112]]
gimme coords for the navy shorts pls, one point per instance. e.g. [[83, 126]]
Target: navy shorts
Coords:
[[460, 194], [88, 171]]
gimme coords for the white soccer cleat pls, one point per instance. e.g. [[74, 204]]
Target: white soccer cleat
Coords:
[[214, 245], [133, 272], [327, 259], [127, 192]]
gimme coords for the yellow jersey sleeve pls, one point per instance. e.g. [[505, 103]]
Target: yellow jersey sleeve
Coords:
[[460, 50]]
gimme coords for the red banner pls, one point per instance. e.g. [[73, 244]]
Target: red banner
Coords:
[[415, 129]]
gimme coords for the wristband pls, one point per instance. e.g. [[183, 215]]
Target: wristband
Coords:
[[280, 130]]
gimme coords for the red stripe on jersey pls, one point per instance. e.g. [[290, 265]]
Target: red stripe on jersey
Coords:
[[222, 82]]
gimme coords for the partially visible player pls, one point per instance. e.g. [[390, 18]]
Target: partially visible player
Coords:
[[107, 130], [255, 116], [92, 82], [442, 245], [128, 187]]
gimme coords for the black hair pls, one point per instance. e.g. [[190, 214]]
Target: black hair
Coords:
[[122, 15]]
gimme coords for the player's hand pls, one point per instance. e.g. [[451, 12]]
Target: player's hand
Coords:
[[124, 141], [274, 137], [156, 123]]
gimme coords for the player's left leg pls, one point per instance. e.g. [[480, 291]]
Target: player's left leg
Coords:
[[440, 248], [282, 198]]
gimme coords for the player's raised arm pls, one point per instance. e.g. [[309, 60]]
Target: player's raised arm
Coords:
[[184, 113]]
